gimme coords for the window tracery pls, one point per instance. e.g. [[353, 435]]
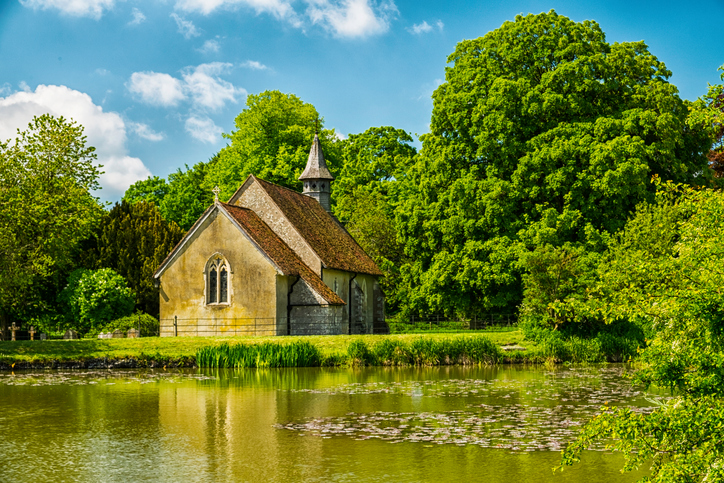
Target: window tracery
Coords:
[[217, 280]]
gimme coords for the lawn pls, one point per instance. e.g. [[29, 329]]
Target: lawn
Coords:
[[184, 347]]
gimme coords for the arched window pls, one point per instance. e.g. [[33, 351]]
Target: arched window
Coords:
[[217, 280]]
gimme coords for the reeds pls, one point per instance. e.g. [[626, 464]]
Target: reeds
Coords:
[[423, 351], [267, 354]]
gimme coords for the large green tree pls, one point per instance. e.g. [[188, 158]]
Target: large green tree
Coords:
[[47, 173], [272, 140], [133, 240], [542, 133]]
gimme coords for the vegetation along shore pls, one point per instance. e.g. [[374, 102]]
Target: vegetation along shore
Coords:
[[489, 347]]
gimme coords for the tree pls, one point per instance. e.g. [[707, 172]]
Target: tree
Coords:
[[133, 240], [153, 189], [92, 298], [273, 136], [708, 112], [367, 193], [664, 270], [188, 196], [542, 133], [47, 174]]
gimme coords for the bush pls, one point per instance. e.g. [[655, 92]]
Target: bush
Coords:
[[149, 324], [93, 298]]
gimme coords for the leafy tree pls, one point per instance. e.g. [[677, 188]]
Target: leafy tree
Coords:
[[47, 174], [92, 298], [708, 112], [272, 140], [542, 134], [133, 240], [367, 193], [153, 189], [187, 196], [665, 270]]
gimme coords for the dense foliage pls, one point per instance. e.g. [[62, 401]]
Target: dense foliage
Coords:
[[92, 298], [47, 174], [133, 239], [664, 270], [542, 134]]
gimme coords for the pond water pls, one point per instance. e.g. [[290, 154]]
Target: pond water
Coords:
[[501, 424]]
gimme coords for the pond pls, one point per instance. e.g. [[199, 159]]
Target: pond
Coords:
[[499, 424]]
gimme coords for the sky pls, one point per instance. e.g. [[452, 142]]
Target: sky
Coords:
[[155, 83]]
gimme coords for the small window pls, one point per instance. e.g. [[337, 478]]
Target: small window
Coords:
[[217, 280]]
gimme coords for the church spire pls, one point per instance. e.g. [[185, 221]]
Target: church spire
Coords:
[[316, 176]]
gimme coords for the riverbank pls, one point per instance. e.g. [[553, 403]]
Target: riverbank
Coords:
[[506, 346]]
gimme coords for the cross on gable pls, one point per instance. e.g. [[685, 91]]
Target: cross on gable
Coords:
[[216, 192]]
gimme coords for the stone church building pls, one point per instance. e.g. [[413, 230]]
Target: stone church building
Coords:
[[271, 261]]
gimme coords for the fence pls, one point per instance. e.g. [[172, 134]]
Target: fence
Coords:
[[306, 325], [444, 324]]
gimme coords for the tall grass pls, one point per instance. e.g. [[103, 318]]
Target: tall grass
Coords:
[[267, 354], [423, 351]]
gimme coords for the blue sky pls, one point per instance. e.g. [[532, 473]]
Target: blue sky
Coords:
[[156, 82]]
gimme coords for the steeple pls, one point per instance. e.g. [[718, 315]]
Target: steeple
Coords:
[[316, 176]]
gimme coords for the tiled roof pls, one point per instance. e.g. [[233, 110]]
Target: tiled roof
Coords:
[[334, 246], [275, 248]]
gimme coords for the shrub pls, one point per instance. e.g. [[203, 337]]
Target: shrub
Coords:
[[92, 298], [149, 324]]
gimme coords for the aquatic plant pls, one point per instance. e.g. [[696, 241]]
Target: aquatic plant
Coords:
[[267, 354]]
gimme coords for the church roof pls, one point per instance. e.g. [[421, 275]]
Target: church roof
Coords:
[[329, 240], [316, 165], [280, 253]]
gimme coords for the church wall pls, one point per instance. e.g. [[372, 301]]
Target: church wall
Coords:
[[253, 292], [363, 309], [257, 200]]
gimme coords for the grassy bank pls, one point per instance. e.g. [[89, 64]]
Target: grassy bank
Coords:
[[395, 349]]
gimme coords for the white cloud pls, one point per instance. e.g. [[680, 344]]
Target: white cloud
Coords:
[[352, 18], [425, 28], [138, 17], [76, 8], [156, 89], [210, 47], [281, 9], [207, 89], [253, 65], [106, 131], [185, 27], [420, 28], [6, 89], [101, 71], [203, 129], [144, 131]]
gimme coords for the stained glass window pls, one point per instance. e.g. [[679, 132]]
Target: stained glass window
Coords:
[[212, 286], [223, 287]]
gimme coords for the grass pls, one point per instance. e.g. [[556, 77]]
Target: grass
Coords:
[[186, 348], [480, 347]]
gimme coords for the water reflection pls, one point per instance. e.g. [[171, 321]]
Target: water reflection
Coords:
[[304, 424]]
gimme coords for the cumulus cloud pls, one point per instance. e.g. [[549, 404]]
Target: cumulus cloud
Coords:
[[207, 89], [425, 28], [106, 131], [156, 89], [185, 27], [210, 47], [144, 131], [138, 17], [201, 85], [253, 65], [280, 9], [352, 18], [203, 128], [76, 8]]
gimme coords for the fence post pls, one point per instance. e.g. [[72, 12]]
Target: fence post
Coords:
[[175, 325]]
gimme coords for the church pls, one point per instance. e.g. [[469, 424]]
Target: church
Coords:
[[271, 261]]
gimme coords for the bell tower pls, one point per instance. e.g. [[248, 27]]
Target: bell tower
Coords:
[[316, 176]]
